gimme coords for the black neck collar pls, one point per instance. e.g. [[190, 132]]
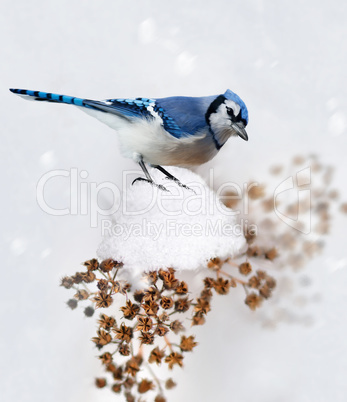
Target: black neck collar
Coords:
[[213, 107]]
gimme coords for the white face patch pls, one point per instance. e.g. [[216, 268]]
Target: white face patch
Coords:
[[221, 118]]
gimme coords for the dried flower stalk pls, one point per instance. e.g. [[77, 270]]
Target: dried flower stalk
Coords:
[[151, 324]]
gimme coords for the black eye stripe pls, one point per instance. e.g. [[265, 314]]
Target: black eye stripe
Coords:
[[234, 119], [230, 111]]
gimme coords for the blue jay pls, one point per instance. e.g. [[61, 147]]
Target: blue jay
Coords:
[[174, 131]]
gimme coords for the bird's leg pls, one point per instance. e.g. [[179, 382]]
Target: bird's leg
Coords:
[[171, 177], [148, 176]]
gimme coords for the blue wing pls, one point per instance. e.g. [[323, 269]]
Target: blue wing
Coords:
[[137, 107], [181, 116], [145, 107]]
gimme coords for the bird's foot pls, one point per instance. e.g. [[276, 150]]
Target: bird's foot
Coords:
[[159, 186], [179, 183], [169, 176]]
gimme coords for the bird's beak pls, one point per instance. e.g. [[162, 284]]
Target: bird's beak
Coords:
[[240, 130]]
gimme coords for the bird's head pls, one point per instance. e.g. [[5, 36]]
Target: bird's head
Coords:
[[228, 113]]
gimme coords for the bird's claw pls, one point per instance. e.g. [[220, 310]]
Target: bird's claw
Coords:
[[180, 184], [159, 186]]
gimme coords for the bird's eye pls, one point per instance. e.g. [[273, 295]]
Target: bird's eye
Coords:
[[230, 111]]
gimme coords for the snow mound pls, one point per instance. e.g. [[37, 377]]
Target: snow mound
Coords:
[[181, 228]]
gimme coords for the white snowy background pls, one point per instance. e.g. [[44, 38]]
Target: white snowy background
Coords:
[[286, 59]]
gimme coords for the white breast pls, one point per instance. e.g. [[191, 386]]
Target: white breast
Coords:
[[148, 138]]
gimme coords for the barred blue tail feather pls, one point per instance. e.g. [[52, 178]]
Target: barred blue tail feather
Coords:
[[121, 107], [49, 97]]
